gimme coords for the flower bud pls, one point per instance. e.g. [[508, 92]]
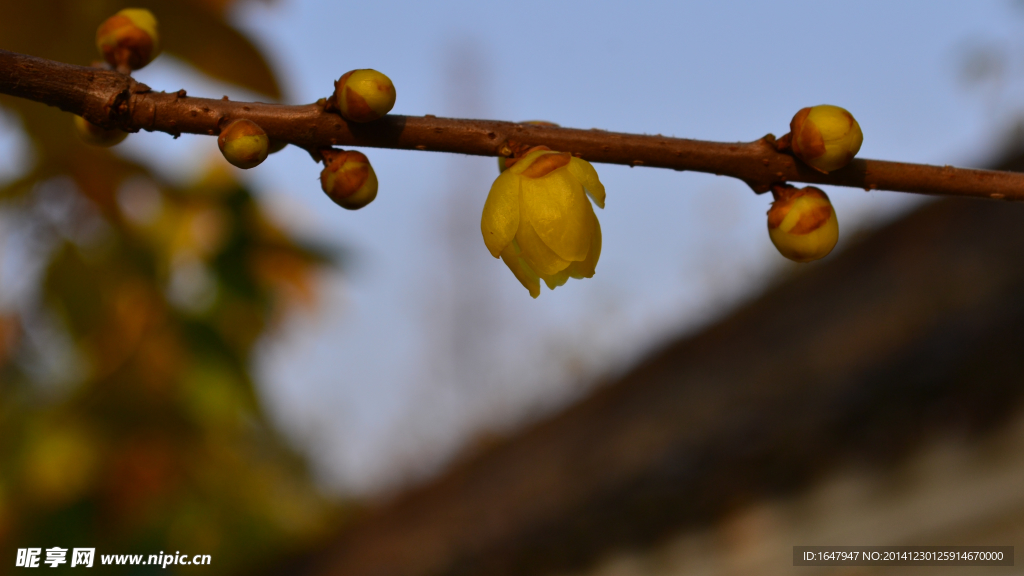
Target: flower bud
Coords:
[[825, 137], [364, 95], [802, 223], [348, 178], [129, 40], [97, 135], [244, 144]]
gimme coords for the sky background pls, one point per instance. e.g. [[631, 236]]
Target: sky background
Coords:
[[426, 345]]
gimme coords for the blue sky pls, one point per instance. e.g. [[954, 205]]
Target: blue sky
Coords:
[[428, 342]]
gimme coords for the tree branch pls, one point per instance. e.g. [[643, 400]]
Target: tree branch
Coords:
[[111, 99]]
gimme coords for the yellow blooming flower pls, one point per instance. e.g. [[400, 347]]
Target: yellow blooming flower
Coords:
[[538, 220]]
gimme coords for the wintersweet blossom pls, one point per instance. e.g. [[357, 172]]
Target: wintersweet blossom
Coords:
[[538, 220]]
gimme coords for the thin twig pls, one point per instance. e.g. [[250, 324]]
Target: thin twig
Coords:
[[114, 100]]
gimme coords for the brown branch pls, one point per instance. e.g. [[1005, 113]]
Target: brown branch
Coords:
[[114, 100]]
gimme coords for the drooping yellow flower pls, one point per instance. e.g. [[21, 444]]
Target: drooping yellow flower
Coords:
[[538, 220]]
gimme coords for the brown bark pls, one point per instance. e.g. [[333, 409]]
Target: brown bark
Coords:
[[114, 100]]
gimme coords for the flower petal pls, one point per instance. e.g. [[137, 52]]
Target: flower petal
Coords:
[[536, 253], [556, 280], [586, 268], [587, 176], [559, 212], [501, 213], [527, 277]]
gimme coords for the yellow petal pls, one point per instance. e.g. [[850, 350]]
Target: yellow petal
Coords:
[[559, 212], [586, 268], [556, 280], [536, 253], [527, 277], [587, 176], [501, 213]]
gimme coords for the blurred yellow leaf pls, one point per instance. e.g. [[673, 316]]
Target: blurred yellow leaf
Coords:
[[204, 40], [195, 31], [173, 453], [61, 461]]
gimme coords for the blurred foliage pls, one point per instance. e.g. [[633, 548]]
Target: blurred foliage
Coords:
[[128, 417]]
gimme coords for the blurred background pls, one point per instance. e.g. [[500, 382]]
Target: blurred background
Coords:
[[202, 359]]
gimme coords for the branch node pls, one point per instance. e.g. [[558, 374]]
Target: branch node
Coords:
[[785, 143], [758, 187], [324, 155], [328, 104], [781, 189]]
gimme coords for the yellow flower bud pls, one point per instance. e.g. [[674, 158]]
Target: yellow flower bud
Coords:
[[129, 39], [348, 178], [364, 95], [802, 223], [97, 135], [825, 137], [244, 144], [538, 220]]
